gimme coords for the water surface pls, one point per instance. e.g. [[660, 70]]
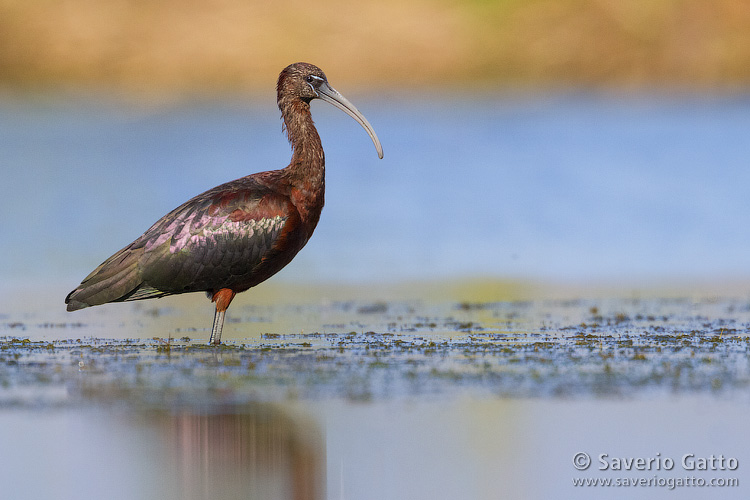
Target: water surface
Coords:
[[356, 382], [375, 399], [555, 187]]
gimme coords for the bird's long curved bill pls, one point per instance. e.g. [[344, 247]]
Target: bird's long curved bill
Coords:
[[331, 95]]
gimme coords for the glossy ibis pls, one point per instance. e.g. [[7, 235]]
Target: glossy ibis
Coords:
[[236, 235]]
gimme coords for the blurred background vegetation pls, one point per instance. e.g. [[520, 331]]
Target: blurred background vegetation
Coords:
[[216, 45]]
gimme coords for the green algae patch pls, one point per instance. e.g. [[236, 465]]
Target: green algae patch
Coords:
[[544, 348]]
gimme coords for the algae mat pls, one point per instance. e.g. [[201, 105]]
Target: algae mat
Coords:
[[372, 399], [363, 349]]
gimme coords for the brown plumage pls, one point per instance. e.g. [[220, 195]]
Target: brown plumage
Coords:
[[236, 235]]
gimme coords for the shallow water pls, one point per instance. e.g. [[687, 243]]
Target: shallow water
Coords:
[[377, 399], [459, 448], [553, 187], [363, 350], [397, 381]]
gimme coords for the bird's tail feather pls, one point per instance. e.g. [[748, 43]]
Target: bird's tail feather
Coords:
[[115, 280]]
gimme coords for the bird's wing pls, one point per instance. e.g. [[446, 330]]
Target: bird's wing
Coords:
[[217, 239]]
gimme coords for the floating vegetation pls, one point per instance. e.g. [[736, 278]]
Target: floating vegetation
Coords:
[[618, 348]]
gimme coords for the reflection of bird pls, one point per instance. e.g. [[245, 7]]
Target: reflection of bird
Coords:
[[236, 235]]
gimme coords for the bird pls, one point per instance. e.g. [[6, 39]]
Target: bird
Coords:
[[236, 235]]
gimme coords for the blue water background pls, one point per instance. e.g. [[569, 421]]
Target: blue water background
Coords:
[[562, 187]]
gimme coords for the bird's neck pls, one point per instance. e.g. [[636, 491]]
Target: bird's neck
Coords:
[[308, 160], [306, 172]]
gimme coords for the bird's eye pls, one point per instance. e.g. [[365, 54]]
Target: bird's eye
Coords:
[[309, 79]]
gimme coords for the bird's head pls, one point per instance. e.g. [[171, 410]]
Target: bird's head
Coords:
[[305, 82]]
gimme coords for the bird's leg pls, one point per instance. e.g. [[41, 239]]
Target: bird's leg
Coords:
[[218, 325], [222, 298]]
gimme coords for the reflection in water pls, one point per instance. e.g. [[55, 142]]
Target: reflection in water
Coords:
[[259, 452]]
